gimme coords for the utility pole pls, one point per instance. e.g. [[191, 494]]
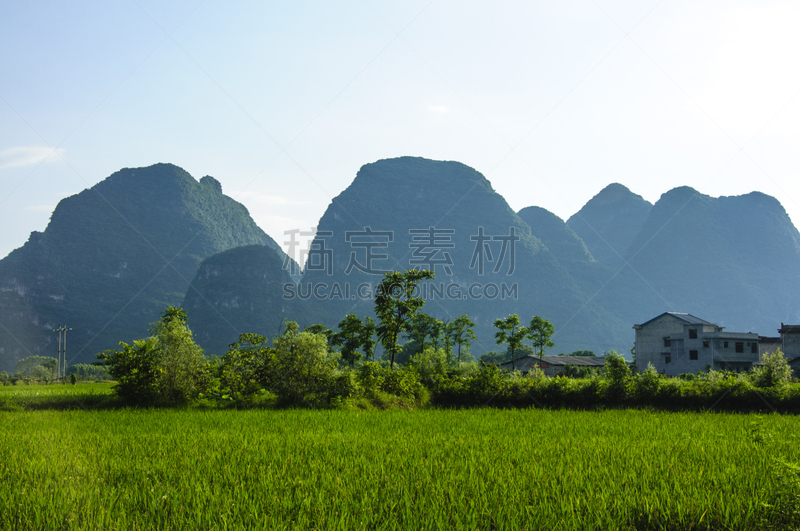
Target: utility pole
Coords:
[[58, 363], [61, 364]]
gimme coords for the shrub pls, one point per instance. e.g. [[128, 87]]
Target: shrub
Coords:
[[431, 365], [246, 368], [646, 384], [405, 383], [166, 367], [304, 368], [617, 374], [135, 368], [371, 376], [774, 371]]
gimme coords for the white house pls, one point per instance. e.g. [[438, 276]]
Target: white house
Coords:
[[677, 343]]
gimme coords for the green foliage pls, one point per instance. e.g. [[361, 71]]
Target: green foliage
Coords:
[[422, 327], [367, 338], [371, 377], [581, 353], [510, 331], [431, 364], [183, 371], [646, 385], [246, 368], [350, 337], [85, 371], [539, 332], [135, 368], [36, 367], [617, 374], [396, 306], [305, 369], [773, 372], [167, 367], [495, 357], [460, 332]]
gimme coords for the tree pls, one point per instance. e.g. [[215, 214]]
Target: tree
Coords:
[[773, 372], [305, 368], [37, 366], [321, 329], [135, 369], [368, 338], [618, 374], [539, 332], [349, 338], [510, 331], [580, 354], [184, 371], [396, 306], [247, 367], [167, 366], [421, 327], [460, 333]]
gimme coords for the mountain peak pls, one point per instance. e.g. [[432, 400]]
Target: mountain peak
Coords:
[[614, 192], [609, 222], [212, 182]]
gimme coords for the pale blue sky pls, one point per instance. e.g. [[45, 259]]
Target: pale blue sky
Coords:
[[283, 102]]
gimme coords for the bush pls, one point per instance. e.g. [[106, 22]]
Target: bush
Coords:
[[304, 368], [371, 376], [774, 371], [246, 369], [167, 367], [431, 365], [646, 384], [135, 368], [617, 374]]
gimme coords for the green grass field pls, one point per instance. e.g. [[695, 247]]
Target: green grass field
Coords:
[[119, 468]]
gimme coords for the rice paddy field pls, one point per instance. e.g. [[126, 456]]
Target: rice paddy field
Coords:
[[91, 466]]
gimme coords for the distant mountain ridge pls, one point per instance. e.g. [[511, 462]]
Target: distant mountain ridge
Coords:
[[609, 222], [446, 216], [113, 257]]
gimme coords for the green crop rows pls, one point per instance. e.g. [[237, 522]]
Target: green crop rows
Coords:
[[394, 469]]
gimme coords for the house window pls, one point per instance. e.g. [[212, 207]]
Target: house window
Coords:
[[692, 354], [705, 344], [724, 344], [692, 333], [754, 348], [667, 359], [666, 341], [739, 346]]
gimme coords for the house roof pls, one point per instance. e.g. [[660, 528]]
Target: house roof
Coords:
[[789, 329], [685, 317], [586, 361]]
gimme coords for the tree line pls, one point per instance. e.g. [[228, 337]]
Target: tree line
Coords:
[[320, 367]]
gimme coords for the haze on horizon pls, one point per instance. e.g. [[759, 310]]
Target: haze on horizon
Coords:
[[283, 104]]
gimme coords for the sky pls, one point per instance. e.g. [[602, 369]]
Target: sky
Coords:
[[283, 102]]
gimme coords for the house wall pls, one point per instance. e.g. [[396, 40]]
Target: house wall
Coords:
[[791, 345], [650, 347], [649, 342]]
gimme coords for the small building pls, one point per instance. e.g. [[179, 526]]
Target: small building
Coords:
[[790, 340], [678, 343], [553, 365], [768, 345]]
